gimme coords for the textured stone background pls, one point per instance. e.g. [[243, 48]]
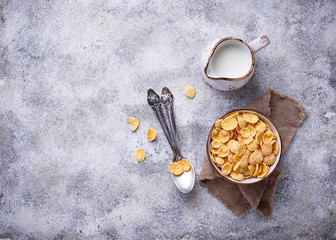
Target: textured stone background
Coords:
[[73, 71]]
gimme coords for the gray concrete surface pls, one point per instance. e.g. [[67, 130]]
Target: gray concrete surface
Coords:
[[73, 71]]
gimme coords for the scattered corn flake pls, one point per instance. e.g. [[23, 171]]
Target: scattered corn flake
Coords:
[[140, 155], [134, 123], [189, 91], [151, 134]]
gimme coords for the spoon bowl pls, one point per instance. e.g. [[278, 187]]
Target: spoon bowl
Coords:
[[185, 182]]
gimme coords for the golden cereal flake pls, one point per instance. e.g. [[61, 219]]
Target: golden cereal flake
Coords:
[[236, 158], [250, 118], [241, 121], [151, 134], [244, 162], [223, 151], [247, 140], [259, 137], [216, 144], [233, 146], [256, 157], [241, 149], [251, 168], [252, 146], [218, 123], [237, 176], [245, 132], [229, 123], [260, 126], [185, 165], [236, 166], [257, 170], [215, 134], [240, 139], [227, 168], [140, 155], [219, 160], [269, 160], [224, 136], [252, 131], [189, 91], [275, 147], [231, 158], [266, 149], [247, 153], [134, 123], [214, 150], [175, 168], [234, 135], [268, 137], [234, 115]]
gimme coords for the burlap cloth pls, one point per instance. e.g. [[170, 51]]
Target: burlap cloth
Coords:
[[287, 115]]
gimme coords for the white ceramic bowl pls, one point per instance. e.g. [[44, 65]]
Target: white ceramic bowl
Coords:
[[274, 129]]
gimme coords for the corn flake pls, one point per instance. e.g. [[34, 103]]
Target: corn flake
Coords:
[[215, 134], [229, 123], [245, 132], [175, 168], [269, 160], [140, 155], [189, 91], [260, 126], [275, 147], [151, 134], [134, 123], [250, 118], [241, 121], [223, 151], [268, 137], [216, 144], [256, 157], [252, 131], [227, 168], [237, 176], [224, 136], [185, 165], [266, 149]]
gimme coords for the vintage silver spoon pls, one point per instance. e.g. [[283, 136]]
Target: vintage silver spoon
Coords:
[[182, 182], [153, 100], [186, 181]]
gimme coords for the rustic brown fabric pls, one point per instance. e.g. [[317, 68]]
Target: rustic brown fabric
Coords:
[[287, 114]]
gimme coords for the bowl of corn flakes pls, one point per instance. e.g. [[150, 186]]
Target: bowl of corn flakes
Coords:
[[244, 146]]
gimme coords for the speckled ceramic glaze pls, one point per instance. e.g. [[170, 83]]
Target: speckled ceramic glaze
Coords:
[[223, 83]]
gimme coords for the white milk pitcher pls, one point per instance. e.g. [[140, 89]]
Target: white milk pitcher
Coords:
[[229, 64]]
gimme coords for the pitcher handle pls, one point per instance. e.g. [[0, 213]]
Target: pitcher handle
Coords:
[[259, 43]]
